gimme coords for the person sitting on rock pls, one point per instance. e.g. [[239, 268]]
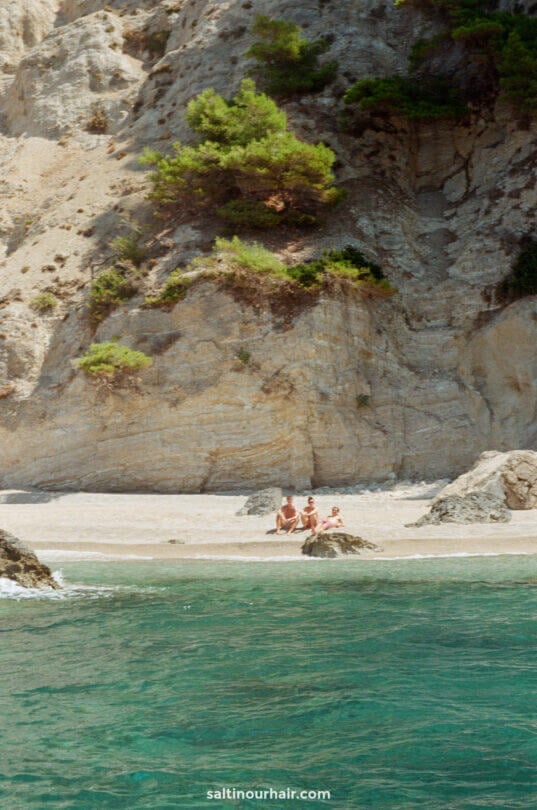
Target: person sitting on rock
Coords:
[[332, 521], [287, 517], [309, 515]]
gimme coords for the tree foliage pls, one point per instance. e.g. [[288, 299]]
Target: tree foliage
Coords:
[[248, 167], [428, 99], [518, 73], [287, 63], [486, 53]]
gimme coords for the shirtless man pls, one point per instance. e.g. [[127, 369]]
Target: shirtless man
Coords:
[[333, 521], [309, 515], [287, 517]]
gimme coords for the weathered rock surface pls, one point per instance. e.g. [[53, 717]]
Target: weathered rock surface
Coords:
[[263, 503], [335, 544], [509, 477], [22, 26], [78, 71], [477, 507], [21, 565], [354, 389]]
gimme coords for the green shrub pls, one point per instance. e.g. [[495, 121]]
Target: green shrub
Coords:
[[108, 290], [235, 254], [415, 99], [347, 263], [241, 214], [128, 248], [522, 280], [174, 290], [499, 49], [287, 64], [249, 168], [44, 302], [112, 361], [244, 356], [518, 73]]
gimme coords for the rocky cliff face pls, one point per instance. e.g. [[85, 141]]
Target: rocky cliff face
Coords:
[[349, 389]]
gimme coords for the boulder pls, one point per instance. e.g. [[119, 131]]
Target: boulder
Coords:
[[21, 565], [263, 502], [511, 477], [337, 544], [477, 507]]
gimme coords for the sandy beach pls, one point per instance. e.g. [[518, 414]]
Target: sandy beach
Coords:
[[117, 526]]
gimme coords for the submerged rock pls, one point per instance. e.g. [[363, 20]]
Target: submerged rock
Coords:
[[263, 502], [476, 507], [511, 477], [21, 565], [337, 544]]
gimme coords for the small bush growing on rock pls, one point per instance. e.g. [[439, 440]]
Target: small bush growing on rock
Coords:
[[174, 290], [129, 248], [248, 168], [112, 361], [234, 258], [412, 98], [348, 263], [109, 289], [97, 123], [244, 356], [288, 64], [236, 254], [44, 302]]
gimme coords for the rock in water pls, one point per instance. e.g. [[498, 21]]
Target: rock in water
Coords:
[[21, 565], [263, 502], [477, 507], [337, 544], [511, 477]]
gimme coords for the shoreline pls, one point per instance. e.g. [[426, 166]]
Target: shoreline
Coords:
[[63, 527]]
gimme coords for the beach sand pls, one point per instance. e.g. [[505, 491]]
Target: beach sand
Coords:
[[118, 526]]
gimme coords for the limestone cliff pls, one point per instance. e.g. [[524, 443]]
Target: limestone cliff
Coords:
[[347, 390]]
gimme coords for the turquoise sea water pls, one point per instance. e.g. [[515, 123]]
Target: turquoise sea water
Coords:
[[402, 684]]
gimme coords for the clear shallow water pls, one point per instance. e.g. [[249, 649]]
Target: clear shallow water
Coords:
[[391, 684]]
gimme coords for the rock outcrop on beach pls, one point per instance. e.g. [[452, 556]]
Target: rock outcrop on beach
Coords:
[[476, 507], [509, 477], [21, 565], [336, 544], [244, 390], [263, 502]]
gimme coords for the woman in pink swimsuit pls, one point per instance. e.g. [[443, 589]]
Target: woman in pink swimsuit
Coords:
[[333, 521]]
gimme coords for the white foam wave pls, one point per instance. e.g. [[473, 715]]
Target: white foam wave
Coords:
[[11, 590]]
